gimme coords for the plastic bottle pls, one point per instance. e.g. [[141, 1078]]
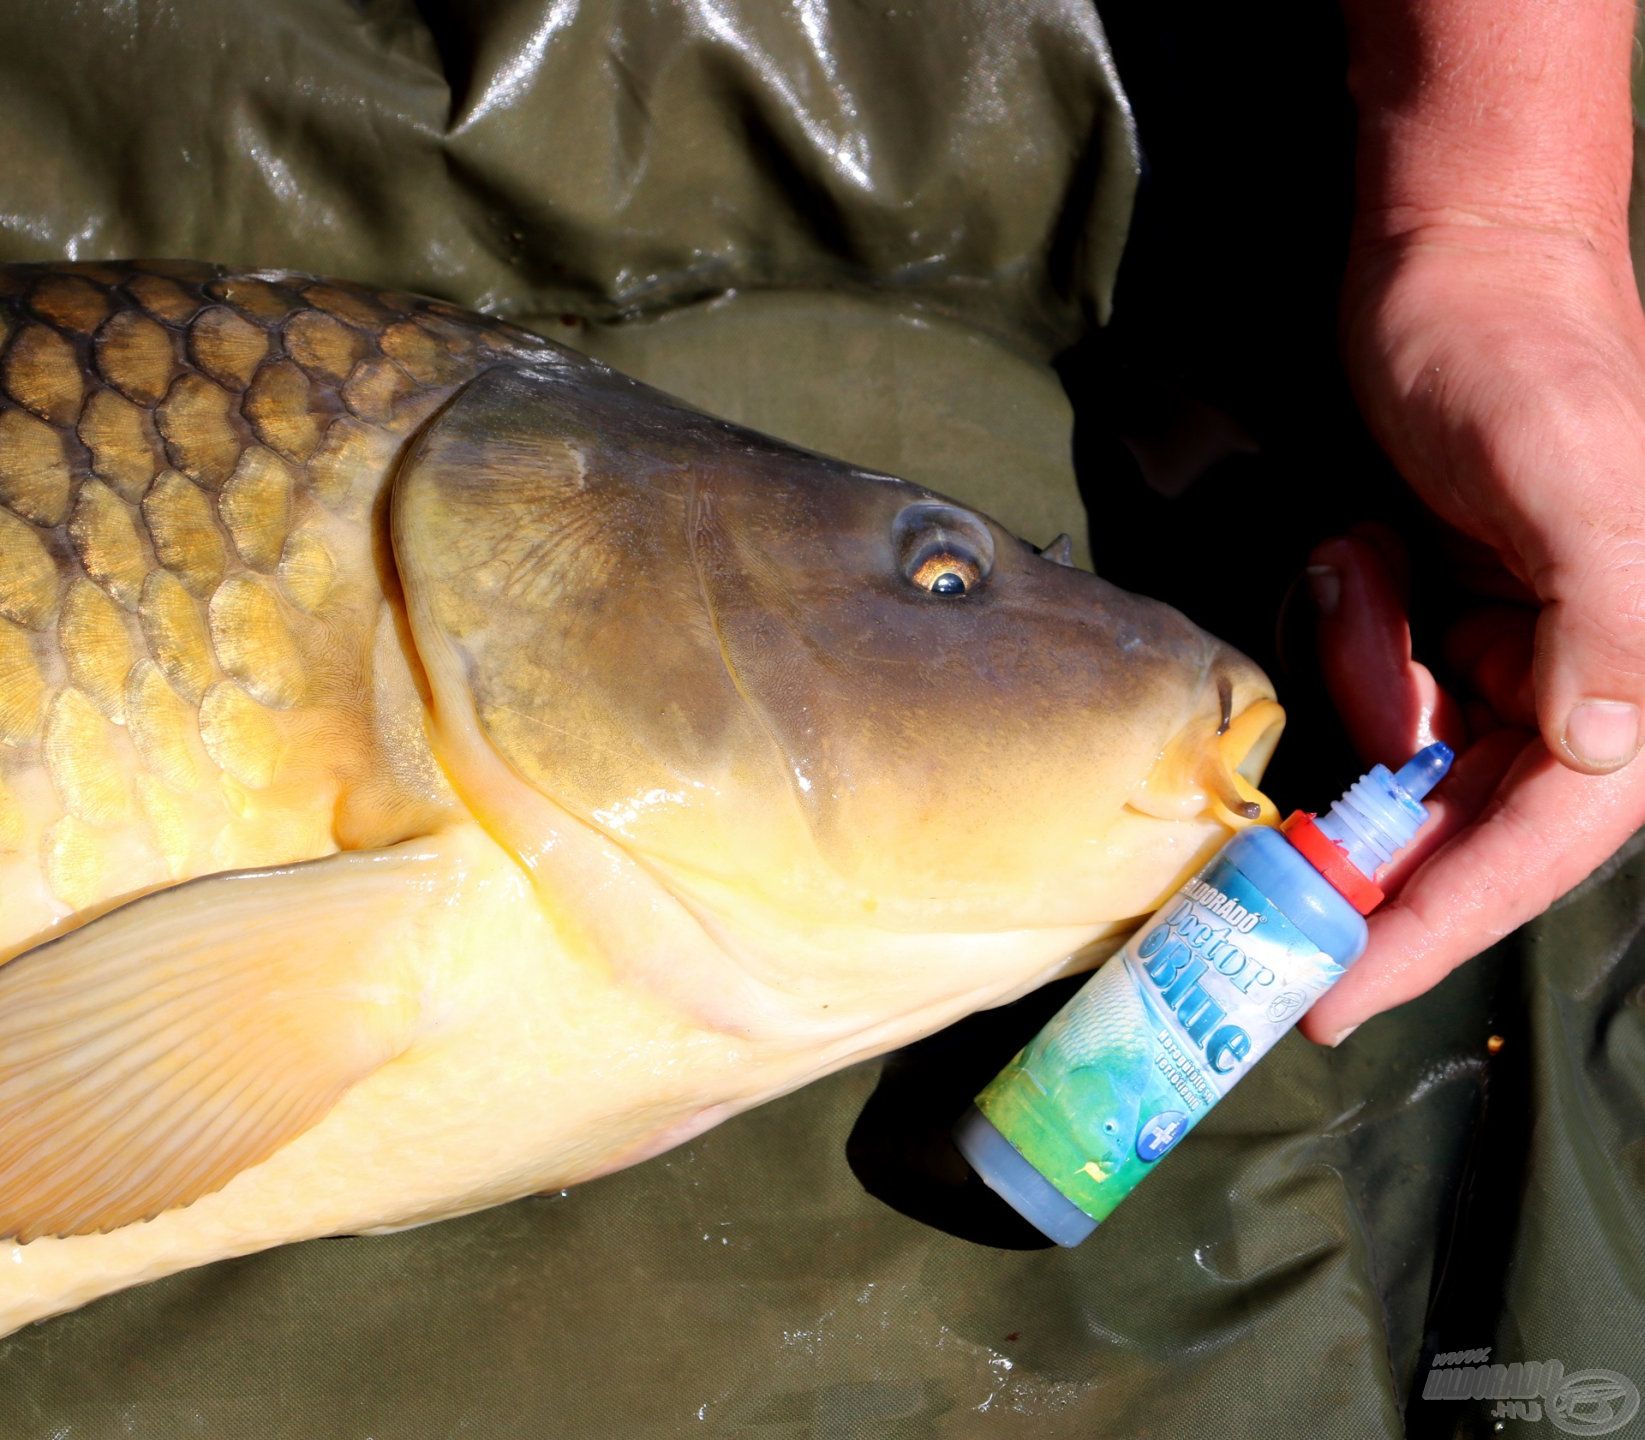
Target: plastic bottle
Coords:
[[1198, 995]]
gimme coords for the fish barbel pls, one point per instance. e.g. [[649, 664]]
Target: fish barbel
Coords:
[[435, 768]]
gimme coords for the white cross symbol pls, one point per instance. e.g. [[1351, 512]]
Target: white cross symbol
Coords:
[[1162, 1135]]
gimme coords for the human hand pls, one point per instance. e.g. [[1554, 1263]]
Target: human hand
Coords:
[[1504, 373]]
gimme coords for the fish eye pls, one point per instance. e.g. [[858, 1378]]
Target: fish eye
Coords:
[[941, 549], [947, 572], [1112, 1127]]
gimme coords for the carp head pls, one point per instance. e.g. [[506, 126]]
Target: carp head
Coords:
[[891, 762]]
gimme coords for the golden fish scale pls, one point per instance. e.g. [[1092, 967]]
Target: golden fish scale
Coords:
[[188, 596]]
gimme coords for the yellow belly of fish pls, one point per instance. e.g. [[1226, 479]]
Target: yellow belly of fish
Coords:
[[542, 1070]]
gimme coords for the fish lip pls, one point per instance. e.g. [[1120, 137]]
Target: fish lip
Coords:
[[1104, 1167], [1212, 763], [1246, 744]]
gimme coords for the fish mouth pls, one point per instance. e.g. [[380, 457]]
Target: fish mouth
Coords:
[[1104, 1167], [1212, 765]]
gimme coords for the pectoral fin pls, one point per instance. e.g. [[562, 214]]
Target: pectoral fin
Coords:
[[149, 1057]]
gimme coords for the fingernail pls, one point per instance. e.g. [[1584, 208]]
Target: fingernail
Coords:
[[1602, 734], [1326, 583], [1342, 1035]]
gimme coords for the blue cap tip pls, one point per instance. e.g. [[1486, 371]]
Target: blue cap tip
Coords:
[[1424, 770], [1381, 813]]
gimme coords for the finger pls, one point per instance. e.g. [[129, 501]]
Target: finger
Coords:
[[1491, 650], [1391, 550], [1390, 705], [1590, 684], [1545, 830], [1587, 544]]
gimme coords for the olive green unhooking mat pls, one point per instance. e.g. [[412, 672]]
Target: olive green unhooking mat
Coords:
[[870, 227]]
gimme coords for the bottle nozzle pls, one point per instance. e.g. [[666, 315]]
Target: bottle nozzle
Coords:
[[1378, 817], [1424, 770]]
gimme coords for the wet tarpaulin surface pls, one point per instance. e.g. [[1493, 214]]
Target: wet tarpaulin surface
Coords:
[[873, 228]]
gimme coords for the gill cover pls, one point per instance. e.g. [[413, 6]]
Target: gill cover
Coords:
[[543, 530]]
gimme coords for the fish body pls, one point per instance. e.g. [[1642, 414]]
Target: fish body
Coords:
[[189, 592], [1094, 1061], [435, 768]]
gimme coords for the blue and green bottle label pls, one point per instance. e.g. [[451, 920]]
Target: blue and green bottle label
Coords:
[[1156, 1037]]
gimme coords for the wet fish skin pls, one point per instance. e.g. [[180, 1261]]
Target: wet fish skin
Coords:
[[434, 767], [189, 590]]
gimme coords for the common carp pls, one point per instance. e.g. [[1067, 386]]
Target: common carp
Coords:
[[435, 768]]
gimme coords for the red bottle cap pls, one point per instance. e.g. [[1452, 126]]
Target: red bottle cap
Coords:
[[1331, 860]]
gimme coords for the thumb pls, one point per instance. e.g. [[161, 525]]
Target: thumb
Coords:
[[1590, 649]]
